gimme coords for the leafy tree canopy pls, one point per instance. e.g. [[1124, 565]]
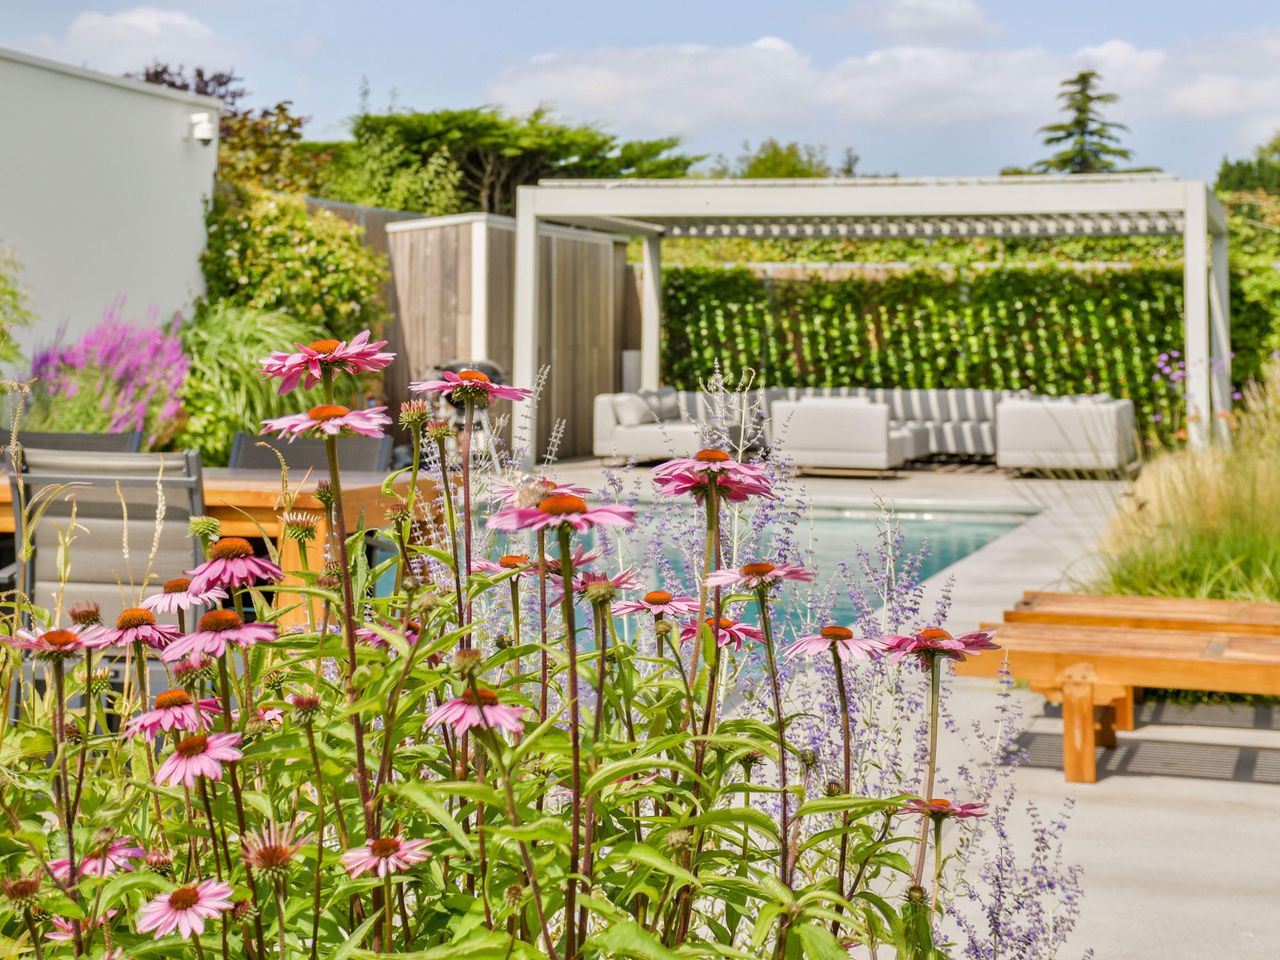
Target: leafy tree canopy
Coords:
[[774, 160], [496, 153], [1259, 172]]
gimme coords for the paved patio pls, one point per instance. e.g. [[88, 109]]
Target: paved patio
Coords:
[[1178, 838]]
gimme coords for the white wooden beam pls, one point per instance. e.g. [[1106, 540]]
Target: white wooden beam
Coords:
[[525, 333], [651, 314], [479, 290], [1195, 305], [1220, 334]]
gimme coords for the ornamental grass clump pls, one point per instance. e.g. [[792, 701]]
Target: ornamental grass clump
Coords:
[[582, 724]]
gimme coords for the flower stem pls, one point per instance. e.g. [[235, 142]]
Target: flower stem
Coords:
[[349, 628], [388, 914], [847, 774], [937, 860], [320, 805], [784, 853], [467, 426], [545, 667], [575, 736], [451, 528], [64, 790], [931, 763]]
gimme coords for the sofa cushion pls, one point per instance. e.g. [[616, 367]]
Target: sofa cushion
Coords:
[[632, 410], [664, 403]]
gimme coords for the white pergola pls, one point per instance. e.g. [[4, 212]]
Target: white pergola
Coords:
[[872, 207]]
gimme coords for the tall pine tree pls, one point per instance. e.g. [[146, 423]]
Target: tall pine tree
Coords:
[[1089, 143]]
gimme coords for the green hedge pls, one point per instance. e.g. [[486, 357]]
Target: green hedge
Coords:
[[1051, 329]]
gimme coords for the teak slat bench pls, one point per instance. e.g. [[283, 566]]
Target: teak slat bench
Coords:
[[1089, 653]]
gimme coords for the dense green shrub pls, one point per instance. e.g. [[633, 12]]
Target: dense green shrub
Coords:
[[13, 306], [266, 251], [1050, 329], [225, 391]]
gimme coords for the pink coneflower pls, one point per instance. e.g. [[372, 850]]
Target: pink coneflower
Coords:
[[329, 420], [600, 587], [309, 363], [945, 809], [185, 909], [726, 631], [104, 861], [231, 564], [270, 851], [930, 644], [176, 597], [374, 639], [470, 386], [199, 755], [840, 638], [659, 603], [174, 710], [557, 509], [530, 491], [753, 576], [215, 631], [478, 708], [57, 644], [518, 562], [385, 856], [734, 481], [138, 624]]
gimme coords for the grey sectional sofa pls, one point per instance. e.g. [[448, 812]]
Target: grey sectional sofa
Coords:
[[882, 428]]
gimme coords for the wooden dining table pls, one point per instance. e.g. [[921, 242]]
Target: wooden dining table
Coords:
[[249, 502]]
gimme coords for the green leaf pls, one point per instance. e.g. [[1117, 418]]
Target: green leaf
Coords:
[[647, 855], [628, 939], [818, 943]]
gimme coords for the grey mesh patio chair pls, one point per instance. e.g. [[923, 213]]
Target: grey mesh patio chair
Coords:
[[115, 498], [354, 453], [128, 442]]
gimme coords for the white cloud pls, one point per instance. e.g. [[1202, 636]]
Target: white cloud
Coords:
[[941, 21], [771, 87], [131, 39]]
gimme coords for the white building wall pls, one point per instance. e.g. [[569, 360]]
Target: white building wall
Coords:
[[102, 193]]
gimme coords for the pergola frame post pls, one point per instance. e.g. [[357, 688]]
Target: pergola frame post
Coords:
[[651, 313], [526, 333], [1083, 205]]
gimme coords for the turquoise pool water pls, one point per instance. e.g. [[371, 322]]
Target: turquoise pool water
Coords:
[[833, 535]]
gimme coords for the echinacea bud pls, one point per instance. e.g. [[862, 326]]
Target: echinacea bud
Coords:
[[86, 613], [306, 705], [750, 759], [71, 732], [160, 863], [808, 758], [299, 526], [204, 527], [22, 892], [513, 895], [274, 681], [243, 910], [398, 517], [834, 788], [504, 641], [433, 600], [467, 662], [678, 839], [324, 493], [917, 894], [193, 670], [663, 629], [439, 430], [98, 684], [256, 728], [599, 594], [414, 414]]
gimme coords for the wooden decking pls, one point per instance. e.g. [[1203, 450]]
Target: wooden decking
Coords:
[[1091, 653]]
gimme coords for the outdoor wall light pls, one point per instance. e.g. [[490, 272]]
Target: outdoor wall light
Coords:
[[202, 128]]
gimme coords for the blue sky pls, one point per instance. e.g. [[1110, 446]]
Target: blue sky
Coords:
[[916, 87]]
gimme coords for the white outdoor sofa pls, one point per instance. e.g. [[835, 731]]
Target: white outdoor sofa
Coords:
[[882, 428]]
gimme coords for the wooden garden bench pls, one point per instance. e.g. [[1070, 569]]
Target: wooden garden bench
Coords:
[[1090, 653]]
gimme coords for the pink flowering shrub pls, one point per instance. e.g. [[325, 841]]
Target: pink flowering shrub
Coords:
[[583, 724], [117, 377]]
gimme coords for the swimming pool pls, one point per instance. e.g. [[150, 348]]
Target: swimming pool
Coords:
[[832, 535]]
